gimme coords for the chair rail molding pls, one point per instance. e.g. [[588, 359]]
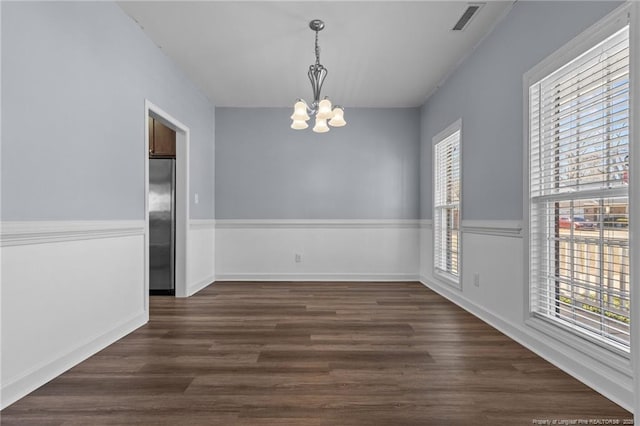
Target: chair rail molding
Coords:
[[14, 233], [501, 228]]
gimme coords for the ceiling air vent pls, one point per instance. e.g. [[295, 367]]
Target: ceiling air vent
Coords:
[[472, 9]]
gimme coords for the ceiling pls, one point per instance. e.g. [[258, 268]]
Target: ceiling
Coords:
[[257, 53]]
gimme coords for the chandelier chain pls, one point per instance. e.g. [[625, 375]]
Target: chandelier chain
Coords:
[[317, 51]]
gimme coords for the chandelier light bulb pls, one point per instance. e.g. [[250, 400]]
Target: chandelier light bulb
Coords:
[[338, 117], [324, 109], [300, 112], [321, 125], [299, 125]]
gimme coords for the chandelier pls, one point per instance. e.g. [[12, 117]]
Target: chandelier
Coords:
[[322, 109]]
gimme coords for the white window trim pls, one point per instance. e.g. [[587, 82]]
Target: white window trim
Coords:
[[634, 200], [620, 17], [442, 277]]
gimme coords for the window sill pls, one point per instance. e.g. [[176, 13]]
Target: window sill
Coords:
[[618, 360], [448, 279]]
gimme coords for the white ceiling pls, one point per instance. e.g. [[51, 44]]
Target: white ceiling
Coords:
[[257, 53]]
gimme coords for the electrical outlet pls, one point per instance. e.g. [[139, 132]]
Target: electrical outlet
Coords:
[[298, 258], [476, 279]]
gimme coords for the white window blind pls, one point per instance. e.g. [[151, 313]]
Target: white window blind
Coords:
[[578, 194], [446, 215]]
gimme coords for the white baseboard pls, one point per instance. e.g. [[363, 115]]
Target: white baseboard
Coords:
[[194, 288], [317, 277], [41, 374]]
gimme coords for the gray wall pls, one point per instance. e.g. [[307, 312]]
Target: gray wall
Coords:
[[75, 76], [366, 170], [486, 92]]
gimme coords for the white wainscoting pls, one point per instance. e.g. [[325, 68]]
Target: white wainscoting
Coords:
[[329, 250], [425, 263], [494, 250], [201, 254], [69, 289]]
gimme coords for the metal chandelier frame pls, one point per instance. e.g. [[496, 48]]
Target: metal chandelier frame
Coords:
[[322, 109]]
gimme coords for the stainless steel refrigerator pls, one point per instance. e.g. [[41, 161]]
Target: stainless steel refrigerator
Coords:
[[162, 225]]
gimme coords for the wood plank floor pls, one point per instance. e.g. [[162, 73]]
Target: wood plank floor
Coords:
[[311, 354]]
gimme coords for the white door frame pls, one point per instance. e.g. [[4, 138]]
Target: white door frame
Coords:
[[182, 199]]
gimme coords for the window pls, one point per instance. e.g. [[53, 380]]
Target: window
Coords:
[[578, 157], [446, 210]]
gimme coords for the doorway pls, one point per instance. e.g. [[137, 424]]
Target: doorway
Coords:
[[181, 211]]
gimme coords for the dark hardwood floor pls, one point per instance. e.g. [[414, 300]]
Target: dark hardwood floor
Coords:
[[312, 354]]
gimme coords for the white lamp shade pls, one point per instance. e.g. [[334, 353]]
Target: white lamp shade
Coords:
[[324, 109], [300, 112], [299, 125], [321, 125], [338, 118]]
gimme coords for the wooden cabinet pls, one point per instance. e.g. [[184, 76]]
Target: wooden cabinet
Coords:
[[162, 140]]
